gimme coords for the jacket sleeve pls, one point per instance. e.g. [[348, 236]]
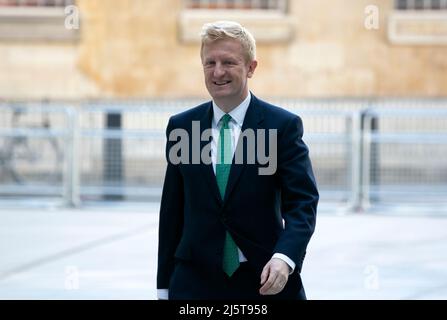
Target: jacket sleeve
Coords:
[[299, 194], [171, 218]]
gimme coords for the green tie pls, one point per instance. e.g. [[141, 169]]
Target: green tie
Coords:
[[223, 166]]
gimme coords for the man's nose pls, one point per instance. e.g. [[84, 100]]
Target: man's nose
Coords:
[[219, 70]]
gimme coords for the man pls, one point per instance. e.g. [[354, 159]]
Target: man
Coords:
[[229, 230]]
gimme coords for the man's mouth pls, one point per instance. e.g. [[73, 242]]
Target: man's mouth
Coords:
[[221, 83]]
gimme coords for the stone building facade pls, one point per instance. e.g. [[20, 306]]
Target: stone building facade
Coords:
[[150, 49]]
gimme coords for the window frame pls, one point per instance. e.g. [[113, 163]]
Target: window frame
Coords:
[[403, 5], [39, 22], [282, 5], [409, 25], [267, 25]]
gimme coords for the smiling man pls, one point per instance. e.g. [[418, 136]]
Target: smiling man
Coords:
[[226, 231], [227, 64]]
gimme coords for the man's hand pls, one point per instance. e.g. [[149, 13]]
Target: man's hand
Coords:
[[274, 277]]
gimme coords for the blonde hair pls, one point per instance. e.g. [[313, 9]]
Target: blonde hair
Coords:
[[229, 30]]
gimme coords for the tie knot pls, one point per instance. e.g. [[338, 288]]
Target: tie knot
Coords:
[[225, 119]]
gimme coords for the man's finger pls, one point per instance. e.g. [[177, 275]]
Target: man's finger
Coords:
[[269, 283], [280, 282], [278, 285], [265, 273]]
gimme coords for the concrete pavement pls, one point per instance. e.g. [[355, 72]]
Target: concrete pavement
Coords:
[[110, 253]]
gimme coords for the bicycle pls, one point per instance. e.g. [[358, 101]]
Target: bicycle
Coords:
[[22, 153]]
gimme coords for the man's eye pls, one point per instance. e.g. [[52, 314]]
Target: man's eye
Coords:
[[210, 63]]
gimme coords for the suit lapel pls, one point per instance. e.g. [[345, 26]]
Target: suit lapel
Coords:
[[207, 169], [252, 119]]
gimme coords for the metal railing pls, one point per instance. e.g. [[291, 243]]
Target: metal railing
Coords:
[[365, 153], [36, 146], [122, 150], [404, 157]]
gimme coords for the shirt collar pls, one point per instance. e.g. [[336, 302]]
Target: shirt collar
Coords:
[[237, 114]]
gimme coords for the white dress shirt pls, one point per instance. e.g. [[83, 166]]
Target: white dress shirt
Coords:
[[235, 125]]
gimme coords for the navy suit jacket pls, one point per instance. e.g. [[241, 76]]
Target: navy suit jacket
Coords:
[[265, 214]]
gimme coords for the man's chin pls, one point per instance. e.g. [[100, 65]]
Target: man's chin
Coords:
[[221, 95]]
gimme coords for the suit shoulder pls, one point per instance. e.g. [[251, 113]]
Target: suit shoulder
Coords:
[[189, 115], [275, 112]]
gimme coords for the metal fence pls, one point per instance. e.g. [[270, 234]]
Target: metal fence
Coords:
[[122, 149], [36, 145], [366, 153], [405, 157]]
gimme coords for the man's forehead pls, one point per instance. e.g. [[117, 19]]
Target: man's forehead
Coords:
[[222, 43], [231, 47]]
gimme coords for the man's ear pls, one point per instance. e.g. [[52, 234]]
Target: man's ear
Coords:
[[251, 68]]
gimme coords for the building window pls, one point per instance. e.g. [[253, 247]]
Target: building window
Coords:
[[280, 5], [418, 22], [36, 20], [420, 4], [268, 20], [35, 3]]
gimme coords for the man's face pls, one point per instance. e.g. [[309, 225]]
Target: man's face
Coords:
[[226, 68]]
